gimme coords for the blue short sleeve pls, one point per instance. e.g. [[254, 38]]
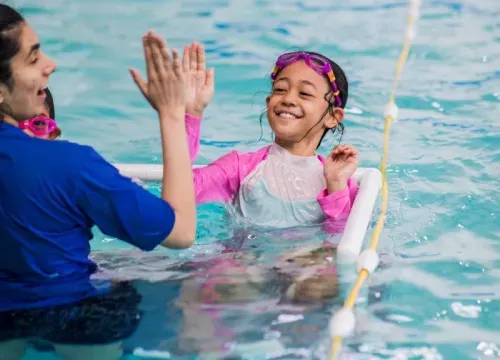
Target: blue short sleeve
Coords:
[[119, 207]]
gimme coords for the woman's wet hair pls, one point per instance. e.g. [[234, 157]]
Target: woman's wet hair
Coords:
[[343, 87], [10, 22]]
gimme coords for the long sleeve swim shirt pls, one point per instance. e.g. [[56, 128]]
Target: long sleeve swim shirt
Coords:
[[270, 186]]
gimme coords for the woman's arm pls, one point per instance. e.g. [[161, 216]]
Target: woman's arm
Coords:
[[123, 209]]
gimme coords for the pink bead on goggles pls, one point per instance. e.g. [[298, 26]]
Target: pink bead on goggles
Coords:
[[315, 62], [39, 126]]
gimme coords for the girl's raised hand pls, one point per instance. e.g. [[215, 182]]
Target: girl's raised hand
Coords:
[[199, 82]]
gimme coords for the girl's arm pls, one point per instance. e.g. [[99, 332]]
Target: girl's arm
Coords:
[[337, 206], [193, 129], [220, 180]]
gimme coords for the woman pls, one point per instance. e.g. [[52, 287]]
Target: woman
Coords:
[[53, 192]]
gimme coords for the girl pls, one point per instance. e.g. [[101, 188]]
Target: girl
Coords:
[[48, 207], [284, 184]]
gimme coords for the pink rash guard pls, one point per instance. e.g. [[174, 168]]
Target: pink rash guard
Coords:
[[271, 186]]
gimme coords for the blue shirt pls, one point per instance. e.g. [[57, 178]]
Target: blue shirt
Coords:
[[51, 194]]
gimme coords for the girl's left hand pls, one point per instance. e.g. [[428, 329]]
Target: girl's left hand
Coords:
[[199, 82], [339, 166]]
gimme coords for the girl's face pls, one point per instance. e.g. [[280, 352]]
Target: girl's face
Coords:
[[297, 105], [51, 136]]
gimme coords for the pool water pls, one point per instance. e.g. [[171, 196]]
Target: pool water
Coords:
[[436, 294]]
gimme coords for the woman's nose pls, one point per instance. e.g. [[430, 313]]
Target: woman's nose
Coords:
[[50, 67]]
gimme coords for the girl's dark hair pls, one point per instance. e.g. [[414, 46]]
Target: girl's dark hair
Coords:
[[49, 101], [10, 20], [343, 87]]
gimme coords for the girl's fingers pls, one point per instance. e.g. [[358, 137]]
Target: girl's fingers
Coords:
[[209, 80], [194, 56], [200, 53], [186, 58]]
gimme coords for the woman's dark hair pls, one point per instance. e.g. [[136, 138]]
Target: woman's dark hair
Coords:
[[10, 20], [49, 101], [343, 87]]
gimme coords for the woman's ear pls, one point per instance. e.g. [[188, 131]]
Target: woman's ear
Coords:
[[268, 98], [334, 117]]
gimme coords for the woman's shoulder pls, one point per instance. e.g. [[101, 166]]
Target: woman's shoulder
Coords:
[[69, 158], [63, 149]]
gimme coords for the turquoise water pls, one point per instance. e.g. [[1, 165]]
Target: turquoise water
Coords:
[[436, 295]]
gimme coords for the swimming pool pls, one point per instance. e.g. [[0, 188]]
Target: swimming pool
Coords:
[[436, 295]]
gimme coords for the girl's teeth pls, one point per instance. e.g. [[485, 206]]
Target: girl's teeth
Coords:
[[288, 116]]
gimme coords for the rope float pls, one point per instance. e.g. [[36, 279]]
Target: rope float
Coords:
[[343, 322]]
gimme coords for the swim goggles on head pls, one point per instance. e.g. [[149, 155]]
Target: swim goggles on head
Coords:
[[39, 126], [315, 62]]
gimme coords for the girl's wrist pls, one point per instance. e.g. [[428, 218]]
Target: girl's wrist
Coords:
[[335, 185]]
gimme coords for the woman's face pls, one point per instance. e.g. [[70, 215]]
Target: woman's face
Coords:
[[31, 68]]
